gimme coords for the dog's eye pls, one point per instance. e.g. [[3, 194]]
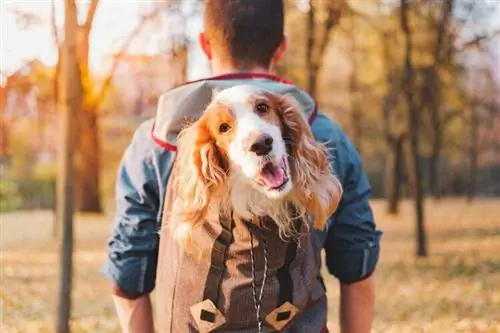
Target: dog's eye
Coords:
[[262, 108], [223, 128]]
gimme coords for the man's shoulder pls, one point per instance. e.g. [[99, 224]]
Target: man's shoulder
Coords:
[[327, 130], [143, 145], [143, 131], [344, 154]]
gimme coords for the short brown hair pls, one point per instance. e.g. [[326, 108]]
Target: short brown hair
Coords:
[[244, 32]]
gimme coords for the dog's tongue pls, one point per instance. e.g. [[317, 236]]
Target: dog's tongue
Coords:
[[272, 176]]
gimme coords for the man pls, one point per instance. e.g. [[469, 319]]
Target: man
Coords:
[[243, 40]]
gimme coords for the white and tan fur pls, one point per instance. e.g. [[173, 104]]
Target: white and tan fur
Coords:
[[218, 169]]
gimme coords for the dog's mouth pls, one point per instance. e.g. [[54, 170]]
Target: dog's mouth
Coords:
[[273, 177]]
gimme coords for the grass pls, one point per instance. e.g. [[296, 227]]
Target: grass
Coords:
[[455, 289]]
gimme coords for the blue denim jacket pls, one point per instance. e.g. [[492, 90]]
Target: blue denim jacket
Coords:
[[352, 242]]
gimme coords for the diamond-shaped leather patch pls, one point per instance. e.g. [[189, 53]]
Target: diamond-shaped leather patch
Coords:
[[207, 316], [281, 316]]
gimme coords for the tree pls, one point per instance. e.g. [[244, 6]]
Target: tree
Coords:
[[88, 152], [473, 149], [362, 78], [354, 89], [315, 49], [480, 122], [88, 148], [413, 130], [71, 100], [432, 92], [393, 127]]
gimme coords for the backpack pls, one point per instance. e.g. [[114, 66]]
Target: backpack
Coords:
[[218, 293]]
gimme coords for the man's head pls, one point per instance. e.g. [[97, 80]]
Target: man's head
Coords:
[[243, 34]]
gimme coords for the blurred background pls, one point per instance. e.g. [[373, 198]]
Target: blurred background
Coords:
[[415, 84]]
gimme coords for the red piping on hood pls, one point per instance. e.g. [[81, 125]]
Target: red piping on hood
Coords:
[[162, 144], [231, 76], [241, 75]]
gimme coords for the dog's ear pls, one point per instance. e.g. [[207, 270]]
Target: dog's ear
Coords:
[[200, 172], [295, 127], [210, 162], [203, 162], [312, 174]]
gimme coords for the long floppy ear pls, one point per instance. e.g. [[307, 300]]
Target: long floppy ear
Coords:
[[209, 162], [200, 172], [317, 188]]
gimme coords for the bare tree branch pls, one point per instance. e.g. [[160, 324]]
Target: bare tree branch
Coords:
[[474, 42], [26, 20], [91, 14], [413, 120], [334, 12], [55, 32], [311, 25], [57, 43], [371, 22], [315, 57], [109, 77]]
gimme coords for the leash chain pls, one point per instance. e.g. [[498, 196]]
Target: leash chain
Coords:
[[258, 300]]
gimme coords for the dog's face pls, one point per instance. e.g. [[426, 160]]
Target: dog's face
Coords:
[[252, 151], [245, 124]]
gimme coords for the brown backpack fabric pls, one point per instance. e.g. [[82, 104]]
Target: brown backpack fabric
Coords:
[[214, 293]]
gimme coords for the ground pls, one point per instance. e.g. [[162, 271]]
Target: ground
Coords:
[[455, 289]]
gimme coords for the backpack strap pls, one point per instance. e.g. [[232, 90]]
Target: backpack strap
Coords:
[[205, 313], [286, 310], [283, 274], [218, 260]]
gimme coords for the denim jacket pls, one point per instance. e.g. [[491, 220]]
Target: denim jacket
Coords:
[[352, 242]]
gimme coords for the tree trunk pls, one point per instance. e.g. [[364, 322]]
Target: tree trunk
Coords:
[[357, 130], [88, 192], [473, 155], [434, 96], [88, 144], [315, 55], [178, 59], [311, 66], [395, 171], [413, 129], [5, 137], [56, 84], [434, 178], [71, 95], [88, 151], [356, 116]]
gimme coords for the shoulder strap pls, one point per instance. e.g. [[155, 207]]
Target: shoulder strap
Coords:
[[283, 274], [218, 260]]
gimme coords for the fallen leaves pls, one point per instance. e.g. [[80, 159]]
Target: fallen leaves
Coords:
[[456, 289]]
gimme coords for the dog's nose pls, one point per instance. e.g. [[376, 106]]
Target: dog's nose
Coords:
[[263, 145]]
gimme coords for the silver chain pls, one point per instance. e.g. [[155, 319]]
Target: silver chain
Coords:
[[258, 300]]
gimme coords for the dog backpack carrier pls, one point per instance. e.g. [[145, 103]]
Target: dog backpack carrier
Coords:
[[249, 279]]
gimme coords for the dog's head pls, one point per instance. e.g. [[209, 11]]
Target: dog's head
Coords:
[[253, 141]]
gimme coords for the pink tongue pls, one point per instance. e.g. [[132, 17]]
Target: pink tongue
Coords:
[[273, 178]]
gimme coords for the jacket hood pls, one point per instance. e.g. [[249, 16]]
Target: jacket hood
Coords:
[[186, 103]]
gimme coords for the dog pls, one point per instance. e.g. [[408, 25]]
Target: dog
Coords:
[[251, 154]]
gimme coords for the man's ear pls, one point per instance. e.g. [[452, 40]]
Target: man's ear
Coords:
[[280, 51], [205, 45]]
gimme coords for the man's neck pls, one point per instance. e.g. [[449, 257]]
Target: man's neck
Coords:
[[222, 69]]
